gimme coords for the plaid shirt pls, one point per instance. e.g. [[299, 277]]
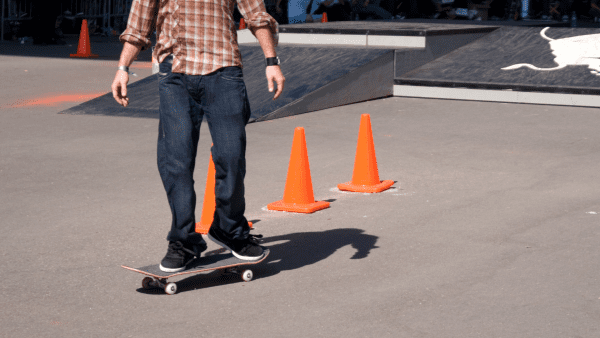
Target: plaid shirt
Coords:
[[201, 34]]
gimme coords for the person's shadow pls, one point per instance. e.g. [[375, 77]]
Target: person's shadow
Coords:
[[288, 252]]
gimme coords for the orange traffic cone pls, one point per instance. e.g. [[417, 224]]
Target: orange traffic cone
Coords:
[[209, 204], [242, 24], [298, 194], [324, 17], [83, 49], [365, 177]]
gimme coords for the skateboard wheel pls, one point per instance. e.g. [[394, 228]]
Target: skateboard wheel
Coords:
[[147, 283], [171, 288], [247, 275]]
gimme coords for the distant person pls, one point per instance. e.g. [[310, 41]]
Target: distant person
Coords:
[[370, 8], [570, 9], [394, 7], [43, 23], [498, 9], [278, 9], [337, 10], [421, 8]]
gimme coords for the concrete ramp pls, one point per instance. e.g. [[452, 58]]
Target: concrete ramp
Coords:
[[326, 65], [317, 77]]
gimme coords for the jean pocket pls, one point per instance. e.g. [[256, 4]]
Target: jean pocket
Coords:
[[164, 70], [232, 74]]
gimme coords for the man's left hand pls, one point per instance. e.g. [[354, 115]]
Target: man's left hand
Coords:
[[274, 74]]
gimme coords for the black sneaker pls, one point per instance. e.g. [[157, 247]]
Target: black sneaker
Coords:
[[247, 249], [177, 258]]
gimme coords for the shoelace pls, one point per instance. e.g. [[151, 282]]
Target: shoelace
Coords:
[[180, 249], [255, 239]]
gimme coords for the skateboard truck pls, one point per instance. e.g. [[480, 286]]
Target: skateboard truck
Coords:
[[171, 288], [157, 279]]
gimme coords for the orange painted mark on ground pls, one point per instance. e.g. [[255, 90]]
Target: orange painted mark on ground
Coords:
[[54, 100], [136, 64]]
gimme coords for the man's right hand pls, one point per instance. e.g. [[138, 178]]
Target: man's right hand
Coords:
[[119, 87]]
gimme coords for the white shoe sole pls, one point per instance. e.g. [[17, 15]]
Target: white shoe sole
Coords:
[[163, 269], [245, 258]]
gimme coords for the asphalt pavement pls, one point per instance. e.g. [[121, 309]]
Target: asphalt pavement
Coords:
[[492, 228]]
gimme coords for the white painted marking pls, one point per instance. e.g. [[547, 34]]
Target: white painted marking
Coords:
[[582, 50], [336, 190], [246, 36], [592, 213], [404, 41], [492, 95]]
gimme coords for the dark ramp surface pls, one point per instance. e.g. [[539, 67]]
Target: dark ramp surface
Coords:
[[479, 64], [316, 78]]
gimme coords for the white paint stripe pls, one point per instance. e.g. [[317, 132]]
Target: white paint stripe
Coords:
[[245, 36], [497, 95], [400, 41]]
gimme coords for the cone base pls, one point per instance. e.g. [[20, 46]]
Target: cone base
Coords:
[[348, 186], [301, 208], [203, 228], [90, 56]]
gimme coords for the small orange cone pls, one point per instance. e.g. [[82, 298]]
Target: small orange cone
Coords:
[[298, 194], [324, 17], [242, 24], [209, 203], [365, 177], [83, 49]]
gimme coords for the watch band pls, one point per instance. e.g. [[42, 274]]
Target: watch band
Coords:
[[123, 68], [272, 61]]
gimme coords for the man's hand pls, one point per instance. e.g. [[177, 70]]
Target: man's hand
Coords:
[[119, 88], [274, 74]]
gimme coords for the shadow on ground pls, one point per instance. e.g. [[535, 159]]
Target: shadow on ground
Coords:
[[288, 252]]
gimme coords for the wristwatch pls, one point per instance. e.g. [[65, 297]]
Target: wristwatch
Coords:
[[272, 61]]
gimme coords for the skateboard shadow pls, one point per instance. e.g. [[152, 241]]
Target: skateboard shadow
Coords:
[[288, 252], [297, 250]]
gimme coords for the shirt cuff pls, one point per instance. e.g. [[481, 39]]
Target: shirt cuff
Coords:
[[135, 39], [264, 20]]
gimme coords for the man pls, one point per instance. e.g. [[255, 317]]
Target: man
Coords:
[[200, 76]]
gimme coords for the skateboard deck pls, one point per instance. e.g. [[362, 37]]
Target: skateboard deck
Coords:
[[222, 261]]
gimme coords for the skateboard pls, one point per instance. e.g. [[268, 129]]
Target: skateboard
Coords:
[[219, 261]]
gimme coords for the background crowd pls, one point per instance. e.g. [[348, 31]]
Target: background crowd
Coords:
[[342, 10], [45, 21]]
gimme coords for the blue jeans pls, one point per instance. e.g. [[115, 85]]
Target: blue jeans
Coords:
[[221, 97]]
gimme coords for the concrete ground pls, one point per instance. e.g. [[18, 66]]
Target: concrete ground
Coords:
[[491, 230]]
